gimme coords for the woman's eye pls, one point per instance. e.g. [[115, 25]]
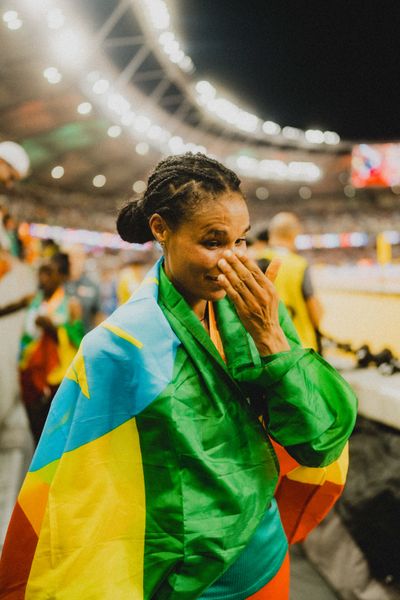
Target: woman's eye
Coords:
[[240, 241], [212, 243]]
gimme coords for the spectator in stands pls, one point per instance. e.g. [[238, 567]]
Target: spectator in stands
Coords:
[[294, 282]]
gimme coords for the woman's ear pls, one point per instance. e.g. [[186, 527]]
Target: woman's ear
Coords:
[[159, 228]]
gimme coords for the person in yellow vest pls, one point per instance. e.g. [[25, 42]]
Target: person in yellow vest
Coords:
[[293, 282], [137, 263]]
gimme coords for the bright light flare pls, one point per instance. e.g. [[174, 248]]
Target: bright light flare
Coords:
[[55, 18], [158, 13], [114, 131], [10, 15], [57, 172], [142, 148], [69, 46], [271, 128], [141, 123], [99, 180], [12, 20], [262, 193], [139, 186], [84, 108], [292, 133], [314, 136], [128, 118], [331, 138], [52, 75], [101, 86], [118, 104]]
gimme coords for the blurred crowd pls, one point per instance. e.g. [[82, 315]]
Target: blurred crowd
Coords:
[[50, 297]]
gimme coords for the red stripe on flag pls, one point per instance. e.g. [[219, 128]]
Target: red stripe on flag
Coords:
[[16, 561]]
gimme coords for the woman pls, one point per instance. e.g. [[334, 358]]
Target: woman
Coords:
[[155, 477]]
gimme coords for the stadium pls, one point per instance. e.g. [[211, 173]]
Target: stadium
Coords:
[[93, 96]]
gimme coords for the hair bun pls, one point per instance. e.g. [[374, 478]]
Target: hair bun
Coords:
[[132, 223]]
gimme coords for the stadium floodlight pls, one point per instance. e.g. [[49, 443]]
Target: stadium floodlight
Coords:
[[139, 186], [114, 131], [52, 74], [57, 172], [101, 86], [69, 46], [128, 118], [303, 171], [10, 15], [271, 128], [314, 136], [117, 103], [331, 137], [55, 18], [99, 180], [142, 148], [141, 123], [84, 108], [158, 13], [292, 133]]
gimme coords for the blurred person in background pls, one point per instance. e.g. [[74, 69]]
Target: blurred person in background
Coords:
[[81, 286], [52, 334], [14, 163], [17, 288], [108, 268], [11, 231], [135, 265], [159, 474], [48, 248], [259, 248], [293, 282]]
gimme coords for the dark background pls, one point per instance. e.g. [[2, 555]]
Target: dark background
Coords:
[[309, 64]]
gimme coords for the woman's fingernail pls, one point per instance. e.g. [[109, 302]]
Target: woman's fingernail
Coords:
[[228, 253], [222, 262]]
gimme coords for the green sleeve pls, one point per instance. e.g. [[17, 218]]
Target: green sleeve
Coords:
[[307, 406]]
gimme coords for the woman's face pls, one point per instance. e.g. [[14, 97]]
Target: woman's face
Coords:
[[193, 250]]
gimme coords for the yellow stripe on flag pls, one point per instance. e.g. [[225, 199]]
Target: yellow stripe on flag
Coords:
[[77, 372], [335, 473], [91, 543], [122, 334]]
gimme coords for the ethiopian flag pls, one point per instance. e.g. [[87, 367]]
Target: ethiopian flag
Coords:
[[153, 470]]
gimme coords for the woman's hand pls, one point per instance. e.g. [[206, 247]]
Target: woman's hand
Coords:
[[255, 299]]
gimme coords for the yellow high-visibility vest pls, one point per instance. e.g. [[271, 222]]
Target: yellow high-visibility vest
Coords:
[[289, 286]]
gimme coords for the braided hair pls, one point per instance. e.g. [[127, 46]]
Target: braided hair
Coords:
[[176, 187]]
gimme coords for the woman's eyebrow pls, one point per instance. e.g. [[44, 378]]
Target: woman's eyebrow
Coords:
[[224, 231]]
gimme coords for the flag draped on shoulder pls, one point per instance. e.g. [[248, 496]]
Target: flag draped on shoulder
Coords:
[[154, 470]]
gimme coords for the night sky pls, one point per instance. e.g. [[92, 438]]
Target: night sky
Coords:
[[311, 64]]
